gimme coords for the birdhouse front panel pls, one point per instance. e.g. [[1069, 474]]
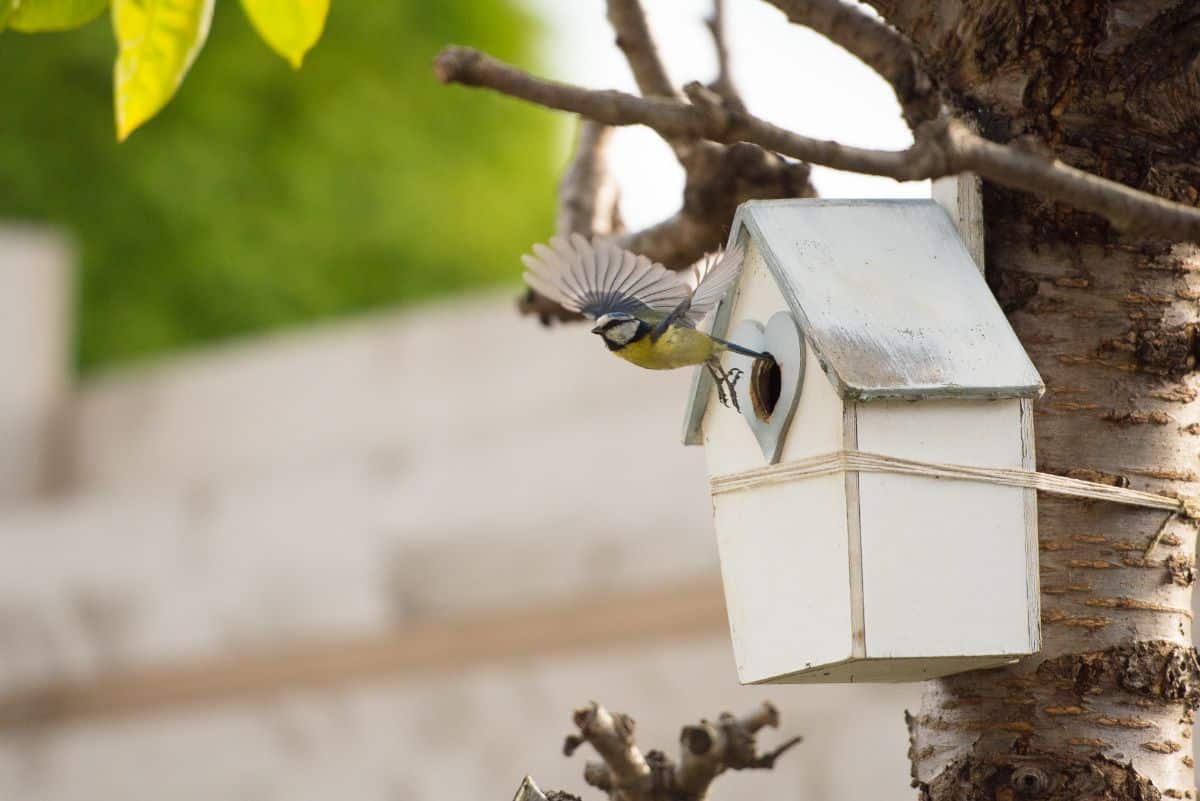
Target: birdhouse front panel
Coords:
[[843, 557], [795, 528]]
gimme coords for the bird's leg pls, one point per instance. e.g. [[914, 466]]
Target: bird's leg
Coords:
[[725, 380], [718, 376], [733, 376], [731, 379]]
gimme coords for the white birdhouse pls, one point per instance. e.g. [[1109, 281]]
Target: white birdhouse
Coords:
[[847, 551]]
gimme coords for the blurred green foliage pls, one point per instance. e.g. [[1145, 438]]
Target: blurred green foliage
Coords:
[[263, 197]]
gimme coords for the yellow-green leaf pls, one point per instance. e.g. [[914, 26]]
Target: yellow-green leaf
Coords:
[[37, 16], [7, 7], [157, 41], [290, 27]]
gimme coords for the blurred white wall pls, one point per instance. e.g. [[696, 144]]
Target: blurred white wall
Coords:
[[35, 375], [356, 483]]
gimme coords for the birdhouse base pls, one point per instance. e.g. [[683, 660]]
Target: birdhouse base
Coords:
[[883, 671]]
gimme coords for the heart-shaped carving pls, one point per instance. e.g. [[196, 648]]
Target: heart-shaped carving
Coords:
[[766, 392]]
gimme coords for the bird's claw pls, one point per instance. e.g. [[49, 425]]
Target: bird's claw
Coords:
[[731, 379], [727, 380]]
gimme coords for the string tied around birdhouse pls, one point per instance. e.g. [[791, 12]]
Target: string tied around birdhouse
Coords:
[[861, 461]]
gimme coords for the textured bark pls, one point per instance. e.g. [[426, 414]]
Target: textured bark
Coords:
[[1106, 710]]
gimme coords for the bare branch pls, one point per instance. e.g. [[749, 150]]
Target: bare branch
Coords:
[[598, 775], [766, 715], [633, 37], [876, 45], [767, 761], [723, 84], [713, 192], [588, 198], [588, 193], [942, 147], [706, 751], [612, 737], [701, 758], [469, 67]]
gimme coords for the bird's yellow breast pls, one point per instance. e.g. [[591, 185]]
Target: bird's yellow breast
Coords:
[[679, 346]]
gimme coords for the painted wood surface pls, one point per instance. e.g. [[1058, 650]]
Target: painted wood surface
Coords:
[[871, 577], [784, 565], [890, 298], [962, 197], [785, 603], [945, 563], [816, 426], [780, 337], [890, 671]]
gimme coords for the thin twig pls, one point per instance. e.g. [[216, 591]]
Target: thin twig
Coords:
[[723, 84], [942, 147], [767, 761], [633, 37]]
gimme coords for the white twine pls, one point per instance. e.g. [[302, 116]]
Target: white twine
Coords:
[[843, 461]]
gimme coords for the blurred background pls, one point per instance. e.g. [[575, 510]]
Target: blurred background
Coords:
[[293, 504]]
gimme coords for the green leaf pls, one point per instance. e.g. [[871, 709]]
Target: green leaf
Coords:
[[290, 27], [157, 41], [7, 7], [39, 16]]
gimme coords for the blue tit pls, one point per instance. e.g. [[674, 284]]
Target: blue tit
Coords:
[[645, 313]]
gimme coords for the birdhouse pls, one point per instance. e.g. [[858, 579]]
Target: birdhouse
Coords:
[[862, 535]]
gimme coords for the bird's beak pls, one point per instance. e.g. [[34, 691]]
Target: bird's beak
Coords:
[[598, 329]]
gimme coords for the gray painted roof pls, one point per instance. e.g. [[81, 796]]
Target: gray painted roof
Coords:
[[888, 297]]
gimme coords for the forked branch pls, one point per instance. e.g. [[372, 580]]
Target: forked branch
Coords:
[[718, 177], [942, 147], [706, 750]]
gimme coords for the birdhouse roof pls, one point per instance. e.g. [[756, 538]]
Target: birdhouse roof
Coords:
[[887, 296]]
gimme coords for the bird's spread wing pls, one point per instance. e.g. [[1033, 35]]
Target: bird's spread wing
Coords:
[[714, 282], [598, 278]]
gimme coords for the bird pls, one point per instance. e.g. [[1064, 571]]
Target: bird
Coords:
[[646, 314]]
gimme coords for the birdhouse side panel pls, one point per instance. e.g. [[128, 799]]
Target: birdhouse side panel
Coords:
[[979, 433], [785, 565], [816, 426], [947, 565]]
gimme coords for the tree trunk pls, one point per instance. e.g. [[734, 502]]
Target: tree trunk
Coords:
[[1105, 710]]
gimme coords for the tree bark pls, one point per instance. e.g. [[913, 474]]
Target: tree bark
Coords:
[[1105, 710]]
